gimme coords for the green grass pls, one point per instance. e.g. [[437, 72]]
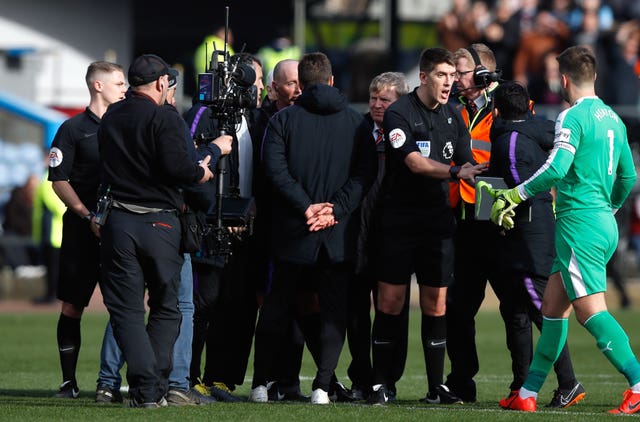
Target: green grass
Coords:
[[30, 374]]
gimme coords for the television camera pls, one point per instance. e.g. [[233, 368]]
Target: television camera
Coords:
[[227, 89]]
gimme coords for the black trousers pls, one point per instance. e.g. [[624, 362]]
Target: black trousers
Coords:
[[475, 264], [224, 318], [360, 370], [141, 251], [525, 306], [519, 307], [317, 296]]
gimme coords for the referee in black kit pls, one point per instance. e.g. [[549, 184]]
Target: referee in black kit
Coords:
[[143, 159]]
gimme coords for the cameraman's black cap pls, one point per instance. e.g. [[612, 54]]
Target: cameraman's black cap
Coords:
[[147, 68]]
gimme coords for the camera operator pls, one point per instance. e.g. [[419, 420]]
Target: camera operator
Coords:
[[144, 159], [225, 286]]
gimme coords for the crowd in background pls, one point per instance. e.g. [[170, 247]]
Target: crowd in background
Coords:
[[527, 35]]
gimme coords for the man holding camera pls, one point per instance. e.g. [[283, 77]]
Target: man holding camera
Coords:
[[144, 159], [225, 288]]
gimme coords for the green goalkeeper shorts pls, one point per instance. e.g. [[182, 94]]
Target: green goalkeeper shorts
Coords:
[[585, 241]]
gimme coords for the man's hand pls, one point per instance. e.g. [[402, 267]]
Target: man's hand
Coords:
[[224, 143], [208, 175], [94, 227], [502, 211], [318, 209], [320, 216], [468, 172], [322, 222]]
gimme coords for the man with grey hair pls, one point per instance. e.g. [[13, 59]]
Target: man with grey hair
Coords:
[[384, 90]]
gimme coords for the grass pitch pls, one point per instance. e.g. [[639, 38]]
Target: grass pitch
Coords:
[[30, 375]]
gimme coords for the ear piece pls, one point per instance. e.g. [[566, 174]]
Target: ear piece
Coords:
[[482, 77]]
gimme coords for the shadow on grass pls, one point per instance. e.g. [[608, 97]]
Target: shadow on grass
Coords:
[[23, 396]]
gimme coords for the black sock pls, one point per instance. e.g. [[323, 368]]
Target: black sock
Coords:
[[384, 341], [434, 342], [68, 346]]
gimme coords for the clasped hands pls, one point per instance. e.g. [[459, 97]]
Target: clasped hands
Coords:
[[504, 204], [320, 216]]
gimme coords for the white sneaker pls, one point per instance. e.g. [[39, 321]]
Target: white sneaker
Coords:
[[319, 396], [260, 394]]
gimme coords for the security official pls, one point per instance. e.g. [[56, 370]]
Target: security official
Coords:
[[143, 159]]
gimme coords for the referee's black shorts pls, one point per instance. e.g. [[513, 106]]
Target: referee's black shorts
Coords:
[[79, 261], [403, 251]]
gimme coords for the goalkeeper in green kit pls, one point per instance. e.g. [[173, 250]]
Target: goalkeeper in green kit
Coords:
[[593, 171]]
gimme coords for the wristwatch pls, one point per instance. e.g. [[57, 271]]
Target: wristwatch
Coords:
[[89, 216], [453, 171]]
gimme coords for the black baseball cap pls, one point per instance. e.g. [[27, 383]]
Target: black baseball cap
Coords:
[[173, 79], [147, 68]]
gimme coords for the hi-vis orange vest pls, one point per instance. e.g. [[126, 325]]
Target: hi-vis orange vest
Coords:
[[479, 129]]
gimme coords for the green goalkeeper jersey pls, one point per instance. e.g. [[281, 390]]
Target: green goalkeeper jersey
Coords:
[[590, 164]]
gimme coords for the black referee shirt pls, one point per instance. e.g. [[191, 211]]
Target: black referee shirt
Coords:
[[438, 134], [74, 156]]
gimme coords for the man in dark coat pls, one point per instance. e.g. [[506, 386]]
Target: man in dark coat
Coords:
[[320, 168]]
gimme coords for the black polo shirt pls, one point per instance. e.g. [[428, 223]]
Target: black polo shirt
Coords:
[[439, 134], [74, 156]]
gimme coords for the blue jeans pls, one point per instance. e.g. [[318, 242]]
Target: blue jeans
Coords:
[[179, 376], [112, 360]]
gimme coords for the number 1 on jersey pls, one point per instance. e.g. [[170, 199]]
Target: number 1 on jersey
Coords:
[[610, 136]]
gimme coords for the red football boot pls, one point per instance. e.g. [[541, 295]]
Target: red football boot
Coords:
[[630, 403], [514, 402], [504, 403]]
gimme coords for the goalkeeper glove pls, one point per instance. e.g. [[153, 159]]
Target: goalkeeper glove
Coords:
[[487, 187], [502, 211]]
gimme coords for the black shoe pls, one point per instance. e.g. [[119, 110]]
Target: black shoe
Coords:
[[567, 397], [391, 394], [360, 393], [190, 397], [465, 391], [273, 390], [133, 402], [378, 397], [68, 390], [338, 392], [106, 394], [442, 395], [221, 392]]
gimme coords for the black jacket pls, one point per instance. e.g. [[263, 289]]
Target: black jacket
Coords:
[[518, 150], [143, 154], [314, 152]]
